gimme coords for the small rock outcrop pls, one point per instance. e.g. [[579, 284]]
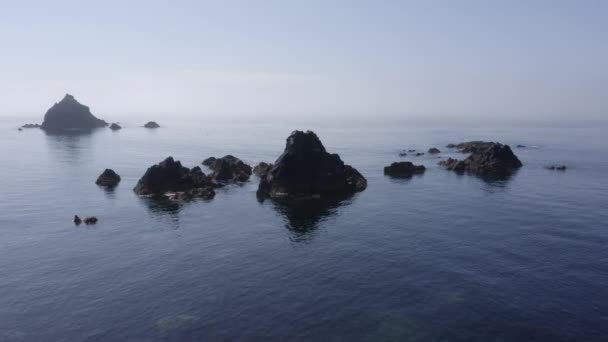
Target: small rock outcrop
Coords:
[[262, 169], [556, 167], [495, 159], [169, 176], [418, 154], [403, 169], [305, 168], [228, 168], [90, 220], [77, 220], [108, 178], [68, 114], [151, 124], [434, 150], [402, 154], [30, 125], [471, 146], [115, 127], [521, 146]]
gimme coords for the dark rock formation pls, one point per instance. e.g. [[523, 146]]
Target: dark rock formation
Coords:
[[434, 150], [90, 220], [305, 168], [418, 154], [170, 176], [471, 146], [262, 169], [495, 159], [228, 168], [20, 129], [151, 124], [115, 126], [30, 125], [402, 154], [521, 146], [68, 114], [411, 151], [108, 178], [403, 169], [556, 167], [77, 221]]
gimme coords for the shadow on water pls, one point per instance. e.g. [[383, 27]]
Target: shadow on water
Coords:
[[303, 215]]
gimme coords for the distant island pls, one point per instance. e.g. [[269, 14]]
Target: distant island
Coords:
[[68, 115]]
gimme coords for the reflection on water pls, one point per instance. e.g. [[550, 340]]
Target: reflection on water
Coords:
[[163, 208], [403, 179], [303, 215], [68, 144]]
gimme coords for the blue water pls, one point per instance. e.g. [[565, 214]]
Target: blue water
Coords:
[[438, 257]]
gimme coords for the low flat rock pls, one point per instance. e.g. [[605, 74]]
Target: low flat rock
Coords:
[[151, 124], [403, 169]]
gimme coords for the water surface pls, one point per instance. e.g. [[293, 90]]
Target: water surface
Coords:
[[437, 257]]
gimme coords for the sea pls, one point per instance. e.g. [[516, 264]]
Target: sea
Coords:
[[435, 257]]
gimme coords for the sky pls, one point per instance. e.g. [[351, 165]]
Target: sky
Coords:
[[417, 60]]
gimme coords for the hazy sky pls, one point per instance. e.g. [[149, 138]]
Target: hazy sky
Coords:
[[433, 59]]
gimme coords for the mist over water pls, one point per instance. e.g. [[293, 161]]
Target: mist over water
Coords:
[[439, 256]]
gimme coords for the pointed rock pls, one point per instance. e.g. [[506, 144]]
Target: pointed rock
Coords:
[[306, 168], [69, 114]]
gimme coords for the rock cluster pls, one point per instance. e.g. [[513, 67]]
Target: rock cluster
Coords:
[[403, 169], [87, 220], [305, 168], [108, 178], [31, 125], [556, 167], [471, 146], [434, 150], [169, 177], [69, 114], [114, 126], [228, 168], [493, 159]]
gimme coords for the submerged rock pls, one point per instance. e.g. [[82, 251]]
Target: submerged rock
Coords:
[[108, 178], [151, 124], [169, 177], [521, 146], [556, 167], [20, 129], [77, 220], [262, 169], [30, 125], [305, 168], [228, 168], [402, 154], [418, 154], [471, 146], [434, 150], [69, 114], [494, 159], [90, 220], [403, 169], [114, 126]]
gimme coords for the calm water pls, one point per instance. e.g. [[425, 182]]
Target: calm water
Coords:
[[438, 257]]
